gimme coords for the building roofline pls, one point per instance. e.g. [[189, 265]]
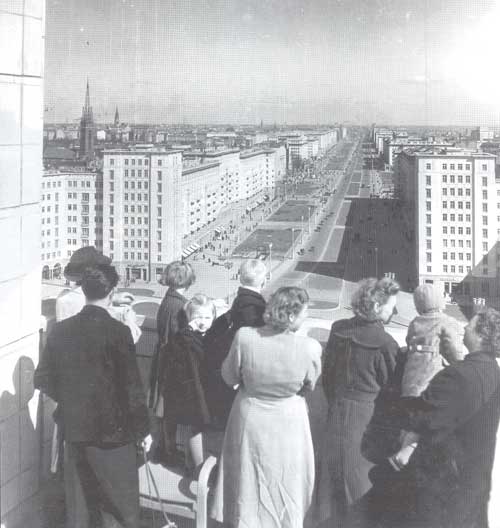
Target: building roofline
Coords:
[[200, 167]]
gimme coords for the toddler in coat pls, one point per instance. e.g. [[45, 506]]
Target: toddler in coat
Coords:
[[434, 340]]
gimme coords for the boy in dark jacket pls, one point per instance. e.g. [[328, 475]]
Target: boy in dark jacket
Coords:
[[248, 306], [90, 369]]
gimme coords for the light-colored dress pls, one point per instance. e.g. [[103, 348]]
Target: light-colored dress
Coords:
[[266, 472]]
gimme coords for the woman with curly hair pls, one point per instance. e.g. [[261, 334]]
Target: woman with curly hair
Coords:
[[266, 472], [358, 368], [448, 478]]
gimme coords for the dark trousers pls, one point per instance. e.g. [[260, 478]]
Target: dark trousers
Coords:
[[101, 486]]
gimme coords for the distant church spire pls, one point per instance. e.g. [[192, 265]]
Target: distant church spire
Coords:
[[117, 117], [87, 129]]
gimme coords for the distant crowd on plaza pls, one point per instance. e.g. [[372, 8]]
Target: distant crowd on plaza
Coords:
[[409, 432]]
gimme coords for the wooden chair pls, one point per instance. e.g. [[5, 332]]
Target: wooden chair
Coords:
[[180, 495]]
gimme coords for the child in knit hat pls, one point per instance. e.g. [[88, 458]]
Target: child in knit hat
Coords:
[[434, 340]]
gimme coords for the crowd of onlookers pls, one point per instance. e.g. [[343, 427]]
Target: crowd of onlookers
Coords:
[[409, 435]]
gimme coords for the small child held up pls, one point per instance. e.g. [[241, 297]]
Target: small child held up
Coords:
[[434, 340], [185, 398]]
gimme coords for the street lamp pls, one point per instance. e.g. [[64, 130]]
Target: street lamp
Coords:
[[302, 229], [270, 260], [309, 221], [293, 242]]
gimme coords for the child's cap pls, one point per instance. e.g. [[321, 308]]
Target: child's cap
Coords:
[[427, 298]]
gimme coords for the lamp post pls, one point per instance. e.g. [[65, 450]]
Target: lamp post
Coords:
[[270, 260], [293, 242], [302, 229], [309, 221]]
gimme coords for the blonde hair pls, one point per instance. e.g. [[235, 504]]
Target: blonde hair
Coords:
[[370, 292], [252, 272], [199, 300]]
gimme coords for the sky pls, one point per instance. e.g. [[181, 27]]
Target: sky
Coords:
[[398, 62]]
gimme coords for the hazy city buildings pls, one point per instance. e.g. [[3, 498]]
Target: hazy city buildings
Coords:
[[453, 203]]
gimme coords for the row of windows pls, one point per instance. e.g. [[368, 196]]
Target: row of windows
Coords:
[[133, 160], [140, 209], [460, 166], [138, 232], [139, 197], [453, 269], [135, 256], [49, 184], [47, 256], [132, 220], [140, 185], [138, 243], [47, 245], [460, 217], [140, 173], [460, 256]]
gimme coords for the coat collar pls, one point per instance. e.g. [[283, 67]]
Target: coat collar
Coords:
[[370, 334], [172, 292], [95, 312]]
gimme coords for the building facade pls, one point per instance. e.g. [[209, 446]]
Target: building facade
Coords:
[[71, 209], [453, 200], [142, 209]]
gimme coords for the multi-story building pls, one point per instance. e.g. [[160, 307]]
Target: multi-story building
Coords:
[[71, 210], [253, 178], [482, 133], [394, 146], [142, 219], [453, 202]]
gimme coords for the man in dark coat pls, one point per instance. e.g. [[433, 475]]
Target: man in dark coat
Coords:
[[89, 368], [447, 481]]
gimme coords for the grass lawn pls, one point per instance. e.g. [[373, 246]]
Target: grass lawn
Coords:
[[293, 211], [280, 238]]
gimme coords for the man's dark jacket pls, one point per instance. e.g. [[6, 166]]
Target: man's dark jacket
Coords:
[[247, 309], [457, 416], [89, 368]]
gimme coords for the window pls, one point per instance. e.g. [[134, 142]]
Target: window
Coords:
[[445, 242], [159, 163], [133, 161], [485, 220], [468, 256], [445, 256], [159, 187], [429, 257], [429, 244], [445, 191], [460, 230], [459, 178], [460, 256], [460, 205], [485, 208], [445, 166], [428, 206], [445, 178], [159, 223], [467, 217], [467, 230], [485, 246], [452, 166], [452, 179], [452, 269], [452, 230], [111, 175], [485, 181], [452, 218], [427, 180], [452, 255], [428, 219], [467, 179], [428, 166], [445, 230], [460, 166], [460, 192], [445, 205], [125, 255], [445, 217], [111, 161], [445, 268], [428, 231], [484, 166], [485, 233], [460, 217]]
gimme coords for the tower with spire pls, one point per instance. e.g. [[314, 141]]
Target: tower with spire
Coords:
[[117, 118], [87, 129]]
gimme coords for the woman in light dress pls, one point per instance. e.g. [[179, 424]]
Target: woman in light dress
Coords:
[[266, 471]]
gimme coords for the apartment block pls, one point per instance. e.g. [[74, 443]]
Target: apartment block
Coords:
[[453, 201], [142, 209], [71, 217]]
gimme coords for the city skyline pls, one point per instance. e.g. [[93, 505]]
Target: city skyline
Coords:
[[284, 62]]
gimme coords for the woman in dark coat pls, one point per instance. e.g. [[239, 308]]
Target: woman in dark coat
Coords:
[[183, 392], [359, 366], [447, 481], [178, 276]]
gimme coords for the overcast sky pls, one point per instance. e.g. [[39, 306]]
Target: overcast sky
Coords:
[[425, 62]]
